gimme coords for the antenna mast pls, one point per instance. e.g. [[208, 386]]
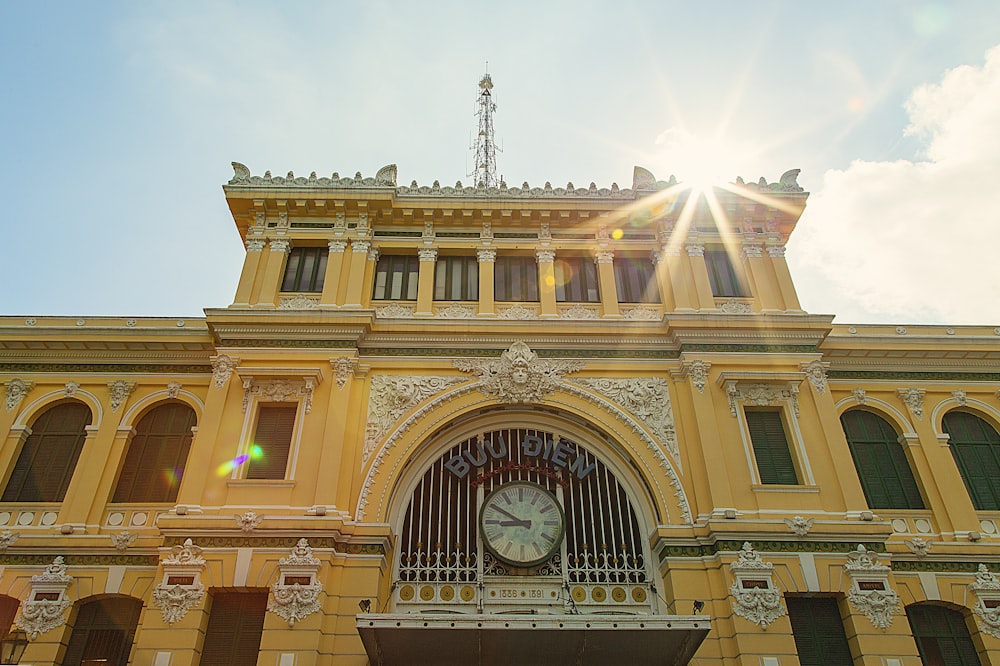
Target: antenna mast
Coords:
[[486, 148]]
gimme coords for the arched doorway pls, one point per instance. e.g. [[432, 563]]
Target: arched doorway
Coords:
[[103, 632]]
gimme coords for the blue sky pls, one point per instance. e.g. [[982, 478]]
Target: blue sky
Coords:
[[118, 122]]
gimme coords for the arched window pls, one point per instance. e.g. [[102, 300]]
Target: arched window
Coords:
[[881, 462], [47, 460], [156, 455], [976, 447], [103, 632], [8, 610], [942, 636]]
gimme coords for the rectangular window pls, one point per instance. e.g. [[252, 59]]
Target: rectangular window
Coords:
[[722, 275], [818, 631], [305, 269], [770, 447], [456, 279], [396, 278], [635, 280], [515, 279], [272, 439], [576, 280], [235, 625]]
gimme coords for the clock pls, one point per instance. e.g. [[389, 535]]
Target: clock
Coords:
[[522, 523]]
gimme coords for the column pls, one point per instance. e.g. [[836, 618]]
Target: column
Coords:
[[487, 259], [334, 266], [356, 277], [702, 292], [251, 264], [273, 272], [605, 260], [664, 280], [425, 281], [786, 287], [82, 489], [765, 288], [547, 281]]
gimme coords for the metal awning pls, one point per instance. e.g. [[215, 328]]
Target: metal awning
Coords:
[[490, 640]]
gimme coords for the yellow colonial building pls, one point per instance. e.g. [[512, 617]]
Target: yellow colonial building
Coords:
[[501, 425]]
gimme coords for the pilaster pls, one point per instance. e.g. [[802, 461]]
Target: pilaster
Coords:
[[425, 281], [783, 277], [82, 492], [487, 261], [702, 292], [334, 266], [758, 268], [663, 279], [356, 277], [547, 282], [251, 267], [605, 260], [273, 271]]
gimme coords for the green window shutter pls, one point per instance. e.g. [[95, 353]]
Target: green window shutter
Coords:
[[235, 625], [881, 463], [975, 446], [818, 631], [942, 636], [770, 447], [274, 437], [103, 632]]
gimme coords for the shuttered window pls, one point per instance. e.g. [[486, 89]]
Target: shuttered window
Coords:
[[456, 279], [942, 636], [271, 441], [576, 280], [396, 278], [515, 279], [154, 463], [305, 269], [722, 275], [880, 459], [8, 610], [770, 448], [235, 624], [976, 447], [103, 632], [818, 630], [46, 462], [635, 280]]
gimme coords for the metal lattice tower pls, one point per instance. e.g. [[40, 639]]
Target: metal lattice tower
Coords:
[[485, 174]]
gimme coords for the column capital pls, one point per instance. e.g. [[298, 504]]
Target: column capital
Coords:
[[775, 251], [486, 255], [337, 244], [751, 250], [280, 245], [695, 249], [604, 256], [360, 246], [427, 253], [545, 256]]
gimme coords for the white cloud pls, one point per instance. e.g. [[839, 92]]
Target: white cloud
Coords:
[[914, 240]]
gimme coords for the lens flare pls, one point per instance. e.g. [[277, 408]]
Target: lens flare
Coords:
[[228, 466], [617, 234]]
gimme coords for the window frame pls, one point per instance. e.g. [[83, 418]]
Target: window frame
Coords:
[[239, 649], [456, 272], [31, 442], [986, 450], [630, 272], [808, 618], [294, 278], [724, 277], [526, 278], [955, 619], [895, 456], [385, 277], [760, 447], [583, 277], [132, 453]]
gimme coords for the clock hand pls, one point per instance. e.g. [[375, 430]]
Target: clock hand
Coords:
[[515, 523], [507, 513]]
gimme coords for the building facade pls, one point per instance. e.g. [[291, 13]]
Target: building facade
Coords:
[[502, 425]]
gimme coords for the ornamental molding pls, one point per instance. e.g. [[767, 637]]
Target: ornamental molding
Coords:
[[222, 369], [518, 376], [293, 600], [427, 254], [120, 391], [642, 314], [604, 256], [987, 590], [181, 588], [799, 526], [174, 389], [860, 396], [960, 397], [249, 521], [486, 255], [734, 306], [545, 256], [919, 547], [761, 395], [390, 396], [517, 312], [343, 369], [280, 245], [255, 244], [337, 245], [394, 311], [695, 250], [122, 540], [279, 390], [578, 311], [815, 372], [361, 246], [697, 372], [7, 539], [174, 601], [187, 555], [755, 596], [47, 602], [752, 251], [71, 389], [913, 398], [455, 312], [776, 251], [870, 592], [16, 390], [298, 302], [646, 399]]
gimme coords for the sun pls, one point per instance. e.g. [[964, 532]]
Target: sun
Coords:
[[700, 162]]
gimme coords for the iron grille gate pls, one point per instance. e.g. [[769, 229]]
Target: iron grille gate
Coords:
[[443, 566]]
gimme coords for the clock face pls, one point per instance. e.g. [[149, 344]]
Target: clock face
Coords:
[[522, 523]]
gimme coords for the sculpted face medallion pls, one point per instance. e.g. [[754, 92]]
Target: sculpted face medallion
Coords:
[[522, 523]]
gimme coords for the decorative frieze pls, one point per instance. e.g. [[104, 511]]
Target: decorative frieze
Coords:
[[120, 391], [987, 608], [914, 399], [755, 596], [761, 395], [394, 311], [518, 376], [222, 369], [734, 306], [641, 314], [296, 592], [517, 312], [279, 390], [16, 390], [647, 399], [870, 592], [455, 312], [298, 302], [47, 601], [391, 395], [578, 311], [181, 588]]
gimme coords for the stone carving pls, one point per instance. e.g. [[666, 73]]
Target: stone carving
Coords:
[[900, 330], [776, 251], [298, 302], [255, 244], [914, 399], [336, 245], [71, 389], [394, 311], [392, 395], [987, 589], [787, 183], [918, 546], [120, 391], [16, 390], [877, 600], [174, 601], [647, 399], [295, 601], [604, 256], [517, 312], [222, 369], [122, 540], [761, 395], [859, 395], [800, 526], [343, 368], [249, 521], [281, 245], [486, 255], [733, 306], [187, 554], [752, 251], [756, 598], [578, 311], [173, 389], [279, 390], [960, 397], [427, 254], [641, 314], [545, 256], [39, 615], [7, 539], [816, 374], [985, 580], [386, 175], [518, 376], [697, 371], [695, 250], [456, 312]]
